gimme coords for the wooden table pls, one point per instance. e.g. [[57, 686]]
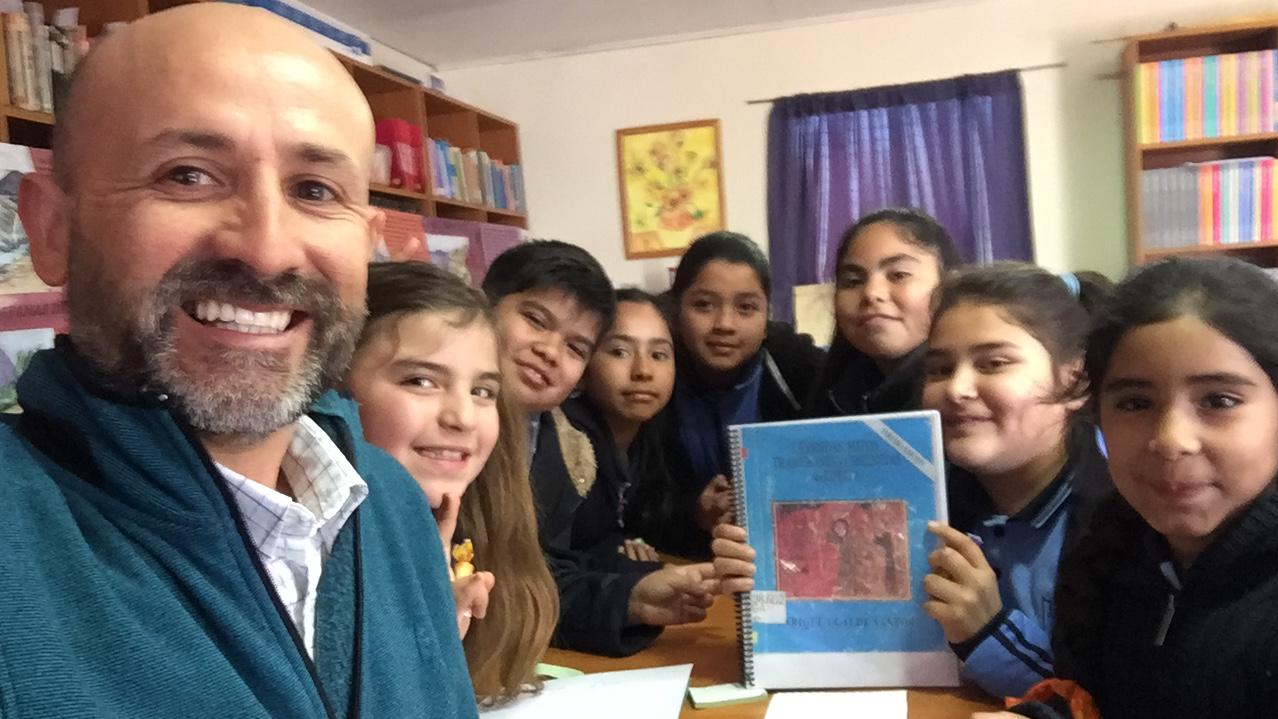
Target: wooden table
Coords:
[[711, 647]]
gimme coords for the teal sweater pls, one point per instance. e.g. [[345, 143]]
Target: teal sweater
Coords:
[[127, 588]]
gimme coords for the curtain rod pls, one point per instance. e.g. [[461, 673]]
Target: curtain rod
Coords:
[[1031, 68]]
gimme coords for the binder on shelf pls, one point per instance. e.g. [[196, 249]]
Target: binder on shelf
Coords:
[[837, 511]]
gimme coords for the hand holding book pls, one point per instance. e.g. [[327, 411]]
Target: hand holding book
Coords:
[[733, 559], [714, 506], [962, 585]]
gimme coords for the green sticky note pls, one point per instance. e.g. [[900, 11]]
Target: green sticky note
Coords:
[[722, 695], [554, 671]]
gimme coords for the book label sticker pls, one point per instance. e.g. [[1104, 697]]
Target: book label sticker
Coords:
[[767, 607]]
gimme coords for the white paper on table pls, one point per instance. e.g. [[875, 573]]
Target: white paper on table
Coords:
[[845, 705], [635, 694]]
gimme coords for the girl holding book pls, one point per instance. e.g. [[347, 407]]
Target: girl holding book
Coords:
[[889, 264], [733, 367], [427, 378], [1004, 367], [1165, 607]]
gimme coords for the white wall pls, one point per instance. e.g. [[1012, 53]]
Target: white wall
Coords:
[[569, 107]]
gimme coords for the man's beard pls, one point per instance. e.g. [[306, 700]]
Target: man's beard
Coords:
[[237, 394]]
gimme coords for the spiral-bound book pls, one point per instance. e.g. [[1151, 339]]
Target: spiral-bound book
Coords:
[[837, 511]]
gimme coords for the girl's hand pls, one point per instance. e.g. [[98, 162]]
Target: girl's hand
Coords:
[[446, 520], [962, 586], [673, 595], [470, 594], [733, 559], [471, 597], [714, 506], [638, 550]]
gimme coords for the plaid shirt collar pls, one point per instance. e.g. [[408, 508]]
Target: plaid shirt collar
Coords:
[[326, 491]]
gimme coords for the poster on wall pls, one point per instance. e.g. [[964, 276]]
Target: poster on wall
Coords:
[[671, 183]]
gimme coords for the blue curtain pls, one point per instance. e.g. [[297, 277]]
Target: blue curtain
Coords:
[[952, 148]]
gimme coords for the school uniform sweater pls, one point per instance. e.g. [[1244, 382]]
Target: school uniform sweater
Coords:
[[129, 587], [627, 497], [1013, 651], [594, 592], [770, 387], [1152, 640]]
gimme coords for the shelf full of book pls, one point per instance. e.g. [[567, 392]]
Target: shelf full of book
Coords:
[[1201, 107], [440, 157]]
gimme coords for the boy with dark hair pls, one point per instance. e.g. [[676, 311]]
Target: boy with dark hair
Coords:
[[553, 302]]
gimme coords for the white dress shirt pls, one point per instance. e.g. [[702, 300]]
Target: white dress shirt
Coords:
[[293, 537]]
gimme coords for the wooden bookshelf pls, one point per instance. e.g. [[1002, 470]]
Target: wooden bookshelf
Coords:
[[380, 189], [1224, 38], [389, 96]]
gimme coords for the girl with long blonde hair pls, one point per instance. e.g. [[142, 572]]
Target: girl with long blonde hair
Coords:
[[427, 377]]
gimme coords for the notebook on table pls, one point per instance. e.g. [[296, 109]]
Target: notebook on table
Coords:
[[837, 511]]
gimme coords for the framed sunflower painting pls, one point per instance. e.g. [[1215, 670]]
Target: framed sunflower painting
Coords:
[[671, 184]]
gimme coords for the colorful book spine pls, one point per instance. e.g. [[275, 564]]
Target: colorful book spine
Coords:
[[1179, 99], [1142, 104], [1194, 98], [1252, 78], [1272, 226], [1211, 96], [1206, 206], [1264, 209], [1245, 212], [1216, 215], [1154, 128]]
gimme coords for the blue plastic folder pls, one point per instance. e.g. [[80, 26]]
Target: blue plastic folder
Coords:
[[837, 511]]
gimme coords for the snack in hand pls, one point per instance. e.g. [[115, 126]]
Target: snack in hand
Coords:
[[462, 555]]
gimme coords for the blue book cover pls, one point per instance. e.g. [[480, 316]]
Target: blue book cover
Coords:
[[837, 511]]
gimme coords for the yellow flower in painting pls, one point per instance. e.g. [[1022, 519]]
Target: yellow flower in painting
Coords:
[[671, 180], [654, 191], [661, 156]]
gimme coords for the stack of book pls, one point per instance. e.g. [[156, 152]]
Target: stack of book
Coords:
[[472, 176], [39, 58], [1228, 202], [1205, 97]]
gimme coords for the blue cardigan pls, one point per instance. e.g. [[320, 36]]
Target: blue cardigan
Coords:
[[127, 588], [1013, 652]]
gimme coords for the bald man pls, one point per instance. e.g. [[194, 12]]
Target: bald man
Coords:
[[190, 526]]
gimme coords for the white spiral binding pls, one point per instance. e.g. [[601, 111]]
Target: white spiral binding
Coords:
[[745, 624]]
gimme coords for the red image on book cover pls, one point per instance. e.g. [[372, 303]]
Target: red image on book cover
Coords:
[[842, 550]]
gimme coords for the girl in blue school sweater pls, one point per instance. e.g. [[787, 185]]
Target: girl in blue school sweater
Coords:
[[1004, 369]]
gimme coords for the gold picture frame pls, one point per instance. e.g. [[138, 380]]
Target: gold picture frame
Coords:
[[670, 179]]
